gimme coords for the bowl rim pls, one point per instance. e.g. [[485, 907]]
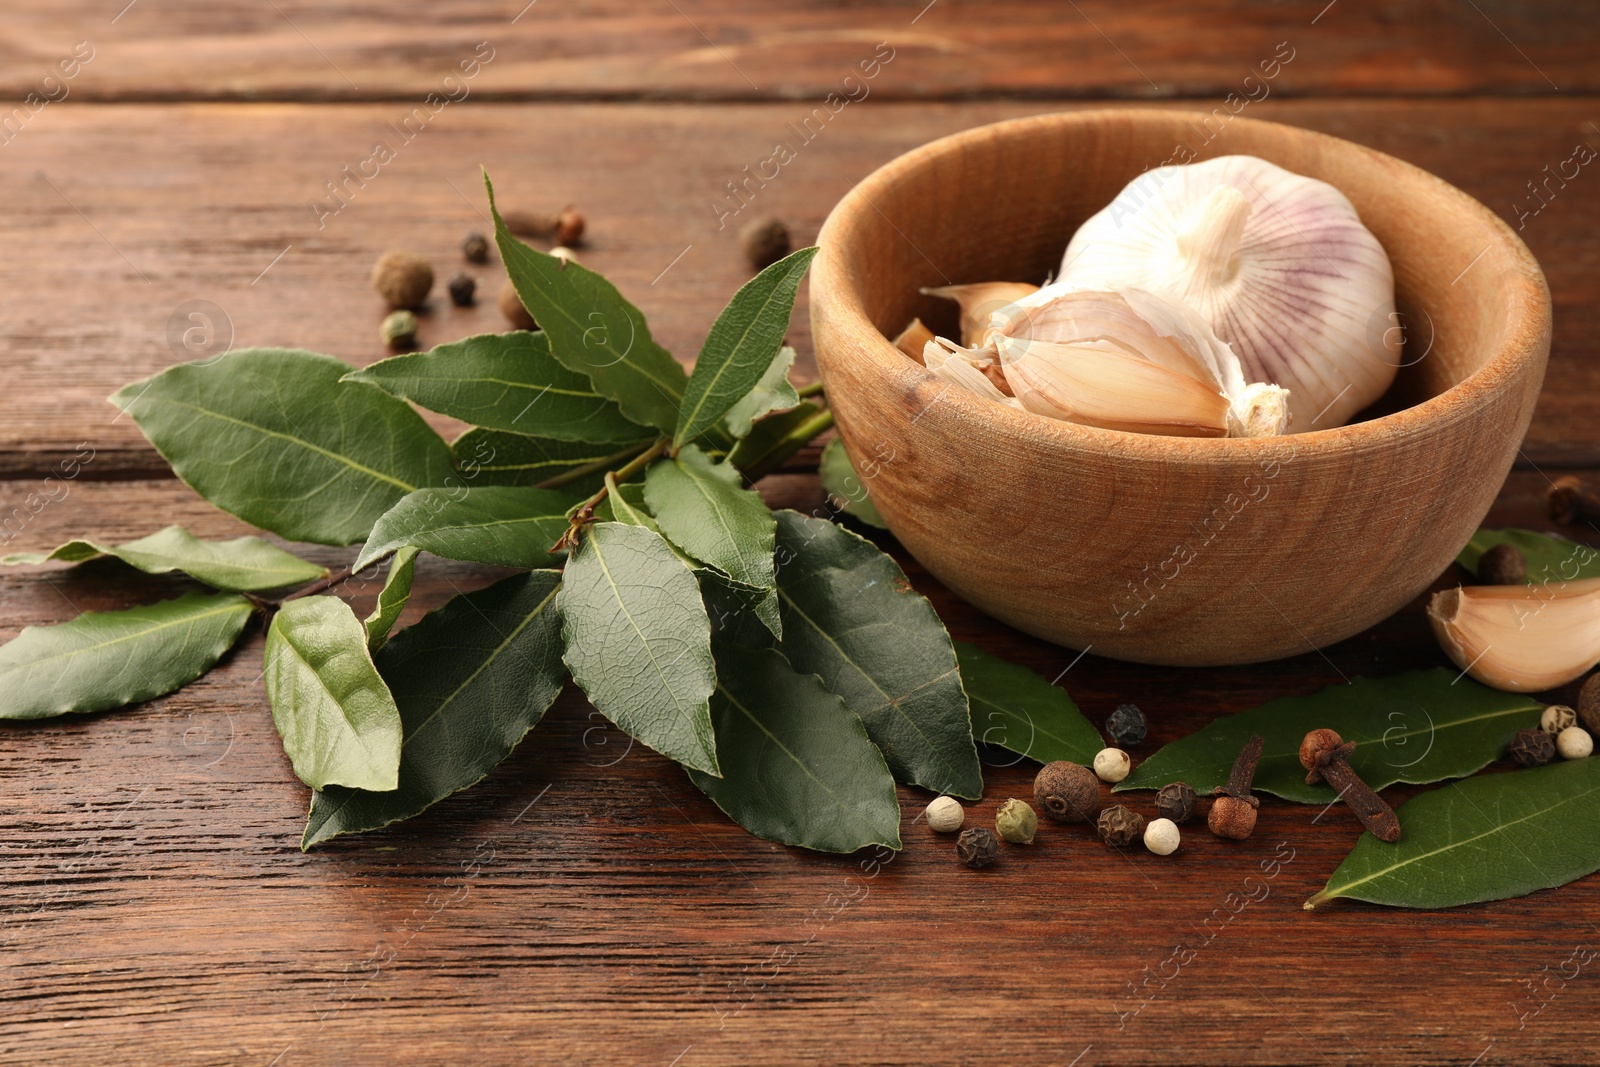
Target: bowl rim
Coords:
[[1526, 343]]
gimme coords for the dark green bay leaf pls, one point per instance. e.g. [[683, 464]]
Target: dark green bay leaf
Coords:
[[798, 767], [392, 598], [704, 509], [851, 618], [1484, 838], [638, 640], [845, 486], [501, 524], [1417, 727], [735, 610], [470, 680], [1016, 709], [242, 565], [493, 457], [739, 351], [337, 719], [773, 392], [273, 436], [503, 381], [105, 659], [1550, 558], [767, 443], [593, 331]]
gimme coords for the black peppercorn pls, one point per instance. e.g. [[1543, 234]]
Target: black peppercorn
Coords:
[[463, 290], [1127, 725], [1068, 792], [1176, 802], [1503, 564], [977, 847], [1121, 825], [1533, 748], [475, 247]]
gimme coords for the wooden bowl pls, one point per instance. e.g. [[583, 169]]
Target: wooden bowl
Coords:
[[1165, 549]]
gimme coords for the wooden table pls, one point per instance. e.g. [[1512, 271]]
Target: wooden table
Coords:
[[587, 903]]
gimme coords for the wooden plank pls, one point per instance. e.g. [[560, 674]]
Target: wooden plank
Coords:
[[719, 49], [108, 247], [586, 903]]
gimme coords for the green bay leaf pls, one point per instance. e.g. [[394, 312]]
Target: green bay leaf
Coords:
[[493, 457], [1016, 709], [392, 598], [768, 444], [503, 381], [273, 436], [773, 393], [336, 717], [739, 350], [105, 659], [638, 641], [499, 524], [470, 680], [593, 331], [1484, 838], [1549, 558], [1417, 727], [242, 565], [840, 479], [798, 766], [851, 618]]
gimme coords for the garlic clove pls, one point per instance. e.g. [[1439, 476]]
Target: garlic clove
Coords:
[[913, 339], [955, 368], [978, 301], [1522, 639], [1259, 410]]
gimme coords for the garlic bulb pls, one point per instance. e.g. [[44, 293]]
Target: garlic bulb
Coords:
[[1280, 265], [1520, 638], [1118, 359]]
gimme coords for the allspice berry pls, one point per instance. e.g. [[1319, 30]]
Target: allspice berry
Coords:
[[1533, 748], [1016, 822], [1176, 802], [1121, 826], [463, 290], [511, 307], [764, 241], [945, 815], [399, 329], [1068, 792], [1557, 717], [1503, 564], [475, 248], [569, 226], [977, 847], [1589, 704], [402, 279]]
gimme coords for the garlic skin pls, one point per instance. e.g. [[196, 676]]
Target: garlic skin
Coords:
[[1119, 360], [1278, 264], [1522, 639], [979, 301]]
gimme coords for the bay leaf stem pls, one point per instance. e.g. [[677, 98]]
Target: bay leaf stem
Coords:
[[789, 444]]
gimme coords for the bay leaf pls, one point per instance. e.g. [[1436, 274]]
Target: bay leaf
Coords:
[[493, 457], [1484, 838], [638, 641], [797, 765], [273, 436], [1417, 727], [704, 509], [1016, 709], [1549, 558], [851, 618], [593, 331], [767, 444], [242, 565], [738, 352], [105, 659], [470, 680], [500, 524], [337, 719], [774, 392], [392, 598], [503, 381], [845, 486]]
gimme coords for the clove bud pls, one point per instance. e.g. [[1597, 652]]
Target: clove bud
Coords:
[[1326, 756], [1233, 813]]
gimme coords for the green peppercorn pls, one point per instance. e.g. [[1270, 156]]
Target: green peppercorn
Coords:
[[1016, 822], [977, 847], [399, 329]]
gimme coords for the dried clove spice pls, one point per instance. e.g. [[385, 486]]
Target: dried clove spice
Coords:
[[1570, 501], [1233, 812], [1326, 756]]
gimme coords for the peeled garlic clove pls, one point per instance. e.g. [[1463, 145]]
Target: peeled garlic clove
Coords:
[[1096, 386], [913, 339], [979, 300], [1520, 638], [1278, 264]]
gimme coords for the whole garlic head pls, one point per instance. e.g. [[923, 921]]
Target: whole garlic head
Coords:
[[1278, 264]]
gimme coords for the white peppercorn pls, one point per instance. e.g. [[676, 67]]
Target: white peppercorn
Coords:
[[1161, 836], [1112, 764], [945, 815], [1574, 743], [1557, 717]]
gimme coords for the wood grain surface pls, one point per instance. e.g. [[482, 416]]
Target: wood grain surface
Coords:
[[586, 904]]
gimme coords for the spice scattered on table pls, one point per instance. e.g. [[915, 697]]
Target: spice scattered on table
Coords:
[[1571, 501], [1068, 792], [945, 815], [1503, 564], [475, 248], [403, 279], [1589, 704], [1016, 822], [1233, 812], [1532, 748], [1161, 836], [399, 329], [1112, 765], [1120, 825], [569, 227], [1574, 743], [1127, 725], [1176, 802], [764, 241], [977, 847], [512, 308], [1326, 757], [1557, 717], [463, 290]]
